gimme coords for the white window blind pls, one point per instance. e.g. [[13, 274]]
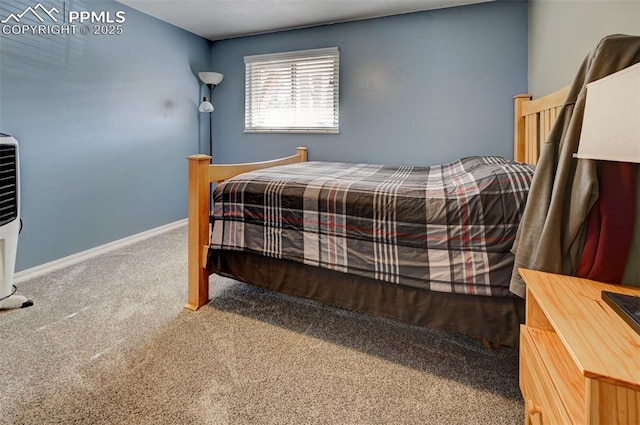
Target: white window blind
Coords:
[[292, 92]]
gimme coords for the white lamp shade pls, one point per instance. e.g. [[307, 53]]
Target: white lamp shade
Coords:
[[611, 123], [205, 106], [214, 78]]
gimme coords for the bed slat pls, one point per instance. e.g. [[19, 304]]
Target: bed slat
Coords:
[[221, 172]]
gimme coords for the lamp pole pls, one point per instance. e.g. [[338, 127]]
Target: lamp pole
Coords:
[[211, 87]]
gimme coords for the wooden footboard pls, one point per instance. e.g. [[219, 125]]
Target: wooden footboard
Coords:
[[201, 175], [533, 120]]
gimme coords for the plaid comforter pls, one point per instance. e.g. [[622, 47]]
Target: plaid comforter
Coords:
[[445, 228]]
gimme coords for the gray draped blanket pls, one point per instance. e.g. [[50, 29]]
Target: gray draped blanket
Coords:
[[564, 189]]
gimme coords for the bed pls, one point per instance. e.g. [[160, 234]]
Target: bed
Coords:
[[387, 261]]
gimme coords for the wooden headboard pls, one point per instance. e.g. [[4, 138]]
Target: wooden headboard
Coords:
[[533, 121]]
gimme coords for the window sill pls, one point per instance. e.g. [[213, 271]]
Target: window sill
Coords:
[[295, 131]]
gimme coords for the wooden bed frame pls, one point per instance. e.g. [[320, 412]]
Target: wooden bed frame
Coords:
[[533, 121]]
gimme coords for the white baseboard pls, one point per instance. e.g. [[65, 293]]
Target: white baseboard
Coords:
[[93, 252]]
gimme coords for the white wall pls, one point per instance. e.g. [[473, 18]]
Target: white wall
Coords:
[[563, 32]]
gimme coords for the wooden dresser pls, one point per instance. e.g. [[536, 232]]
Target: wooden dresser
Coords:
[[579, 361]]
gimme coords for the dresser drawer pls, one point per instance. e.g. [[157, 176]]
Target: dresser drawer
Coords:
[[542, 403]]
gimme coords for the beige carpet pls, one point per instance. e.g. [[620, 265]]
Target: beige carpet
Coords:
[[107, 342]]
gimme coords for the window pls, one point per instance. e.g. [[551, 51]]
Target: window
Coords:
[[292, 92]]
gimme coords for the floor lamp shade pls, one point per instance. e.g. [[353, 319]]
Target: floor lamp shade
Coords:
[[611, 123], [205, 106], [213, 78]]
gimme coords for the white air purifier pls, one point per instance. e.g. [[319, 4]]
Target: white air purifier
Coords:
[[9, 222]]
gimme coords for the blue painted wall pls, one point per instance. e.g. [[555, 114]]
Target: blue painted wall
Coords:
[[104, 124], [421, 88]]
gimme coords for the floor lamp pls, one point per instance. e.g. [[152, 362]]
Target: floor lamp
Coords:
[[211, 79]]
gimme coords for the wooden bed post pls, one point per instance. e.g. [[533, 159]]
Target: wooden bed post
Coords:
[[519, 144], [302, 151], [198, 214]]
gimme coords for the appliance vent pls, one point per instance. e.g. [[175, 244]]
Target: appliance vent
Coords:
[[8, 184]]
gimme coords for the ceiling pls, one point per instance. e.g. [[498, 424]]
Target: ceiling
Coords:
[[220, 19]]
